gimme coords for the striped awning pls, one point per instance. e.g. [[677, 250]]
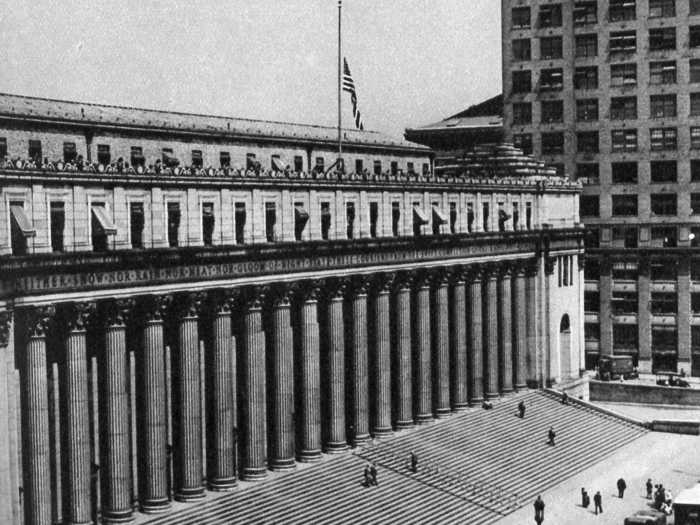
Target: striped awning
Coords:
[[100, 213], [277, 164], [301, 214], [438, 216], [419, 215], [22, 221]]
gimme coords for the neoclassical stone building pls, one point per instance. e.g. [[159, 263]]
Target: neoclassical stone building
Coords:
[[167, 331]]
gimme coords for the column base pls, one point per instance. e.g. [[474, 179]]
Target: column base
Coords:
[[360, 440], [460, 407], [507, 391], [282, 464], [336, 447], [475, 401], [492, 395], [442, 413], [382, 431], [253, 474], [405, 424], [118, 517], [310, 456], [80, 522], [155, 506], [520, 388], [192, 494], [422, 419], [222, 484]]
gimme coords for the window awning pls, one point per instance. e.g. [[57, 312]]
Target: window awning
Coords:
[[25, 225], [301, 214], [438, 216], [419, 215], [106, 223], [503, 215], [277, 164]]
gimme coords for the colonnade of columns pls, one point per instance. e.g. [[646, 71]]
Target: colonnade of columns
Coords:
[[161, 397]]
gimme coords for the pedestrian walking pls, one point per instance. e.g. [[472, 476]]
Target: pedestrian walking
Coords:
[[521, 409], [650, 487], [539, 510], [621, 486], [551, 436], [414, 462], [373, 473], [598, 502], [368, 476], [564, 398], [585, 499]]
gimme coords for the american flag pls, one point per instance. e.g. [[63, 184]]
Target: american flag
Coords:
[[349, 86]]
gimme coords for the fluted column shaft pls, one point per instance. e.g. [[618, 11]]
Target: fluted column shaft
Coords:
[[310, 445], [78, 508], [402, 351], [337, 441], [505, 327], [154, 491], [382, 359], [441, 339], [282, 436], [360, 383], [116, 505], [188, 452], [476, 343], [491, 336], [222, 475], [520, 326], [424, 395], [458, 332], [254, 408], [35, 442]]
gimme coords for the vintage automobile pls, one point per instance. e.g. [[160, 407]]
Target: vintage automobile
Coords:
[[671, 379], [686, 506], [646, 517], [616, 366]]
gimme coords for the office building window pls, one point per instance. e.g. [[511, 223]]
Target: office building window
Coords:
[[359, 166], [551, 79], [520, 17], [695, 203], [173, 224], [587, 109], [394, 167], [320, 165], [664, 303], [586, 45], [350, 220], [591, 301], [208, 222], [664, 237], [373, 218], [662, 8], [136, 224], [663, 171], [550, 48], [623, 140], [588, 173], [662, 106], [325, 220], [625, 236], [522, 113], [585, 13], [377, 167], [590, 205], [270, 221], [624, 205], [695, 170], [695, 104], [298, 163], [695, 137], [522, 81], [624, 303], [523, 141], [694, 36], [104, 156], [224, 159], [620, 10], [552, 143], [624, 172], [528, 215], [623, 75], [197, 159], [521, 49], [623, 108], [35, 151], [550, 15], [592, 240], [694, 7], [58, 223], [626, 336], [663, 139], [552, 111], [69, 152], [395, 218], [663, 203], [239, 219], [587, 142], [623, 42], [586, 77], [662, 39], [137, 158], [663, 72], [694, 65]]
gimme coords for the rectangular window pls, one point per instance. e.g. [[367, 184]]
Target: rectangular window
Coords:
[[552, 111], [587, 142], [586, 77], [551, 79], [664, 303], [626, 337], [298, 163], [590, 206], [394, 167], [224, 159], [471, 216], [662, 8], [623, 140], [166, 156], [350, 220], [586, 45], [3, 147], [102, 227], [251, 164], [662, 38], [373, 218], [588, 173], [663, 72], [320, 165], [136, 223], [623, 108], [522, 49], [694, 36], [623, 42], [426, 168], [663, 139], [694, 7], [664, 339], [301, 218], [395, 218], [520, 17], [522, 81], [239, 221], [35, 151], [104, 155], [695, 203], [276, 163], [359, 167], [377, 167], [523, 141], [695, 137], [208, 223], [629, 236], [58, 224], [663, 203], [69, 152], [551, 48], [137, 158], [409, 168], [587, 109], [623, 75], [695, 104], [485, 216], [21, 228], [695, 170], [694, 70], [695, 309], [664, 236], [528, 215], [325, 220], [662, 106], [591, 302], [624, 172], [550, 15], [453, 217], [552, 143], [624, 205], [522, 114], [620, 10], [270, 221], [664, 171], [585, 13], [592, 332], [624, 303], [173, 223], [516, 215], [197, 160]]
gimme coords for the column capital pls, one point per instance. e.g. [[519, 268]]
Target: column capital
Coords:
[[506, 268], [531, 267], [402, 281], [422, 279], [75, 316], [359, 285], [116, 311], [440, 277], [281, 295], [5, 322], [254, 297], [188, 304], [383, 282], [474, 272], [336, 288], [308, 291], [549, 263], [154, 307], [37, 320], [490, 271], [221, 302], [458, 274]]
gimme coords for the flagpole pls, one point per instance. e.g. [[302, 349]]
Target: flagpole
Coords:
[[340, 73]]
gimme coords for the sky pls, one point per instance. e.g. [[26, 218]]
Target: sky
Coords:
[[413, 61]]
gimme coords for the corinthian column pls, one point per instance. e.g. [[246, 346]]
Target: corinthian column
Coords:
[[310, 368], [77, 445], [282, 406], [491, 333], [35, 437], [441, 341], [116, 504], [458, 341], [188, 417], [153, 421], [381, 348], [222, 471], [520, 309], [254, 408], [505, 327], [403, 382], [476, 343], [424, 395], [360, 384], [337, 441]]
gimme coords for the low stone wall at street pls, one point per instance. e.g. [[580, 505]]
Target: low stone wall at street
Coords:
[[648, 394], [676, 427]]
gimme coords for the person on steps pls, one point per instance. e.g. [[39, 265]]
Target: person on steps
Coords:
[[414, 462], [368, 476], [539, 510], [373, 472], [621, 486], [585, 499], [650, 487], [486, 405], [521, 409], [564, 398], [551, 436], [598, 502]]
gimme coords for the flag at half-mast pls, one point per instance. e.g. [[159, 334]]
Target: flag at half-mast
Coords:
[[349, 86]]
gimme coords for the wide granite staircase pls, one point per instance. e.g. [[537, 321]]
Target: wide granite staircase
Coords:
[[473, 467]]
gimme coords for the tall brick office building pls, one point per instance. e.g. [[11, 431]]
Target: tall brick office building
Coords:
[[609, 91]]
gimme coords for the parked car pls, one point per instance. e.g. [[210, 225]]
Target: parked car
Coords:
[[616, 366], [671, 379], [646, 517]]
